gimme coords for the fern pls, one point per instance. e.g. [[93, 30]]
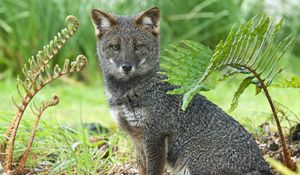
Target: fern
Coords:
[[249, 49], [37, 75], [38, 64], [184, 63], [38, 112]]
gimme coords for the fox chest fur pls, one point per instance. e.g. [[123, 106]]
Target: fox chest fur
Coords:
[[128, 118], [129, 115], [140, 108]]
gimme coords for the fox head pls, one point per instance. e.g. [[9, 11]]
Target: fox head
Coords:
[[128, 46]]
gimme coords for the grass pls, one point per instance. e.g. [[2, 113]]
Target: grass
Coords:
[[59, 149], [91, 101], [62, 144]]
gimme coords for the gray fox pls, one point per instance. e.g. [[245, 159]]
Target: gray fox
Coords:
[[201, 140]]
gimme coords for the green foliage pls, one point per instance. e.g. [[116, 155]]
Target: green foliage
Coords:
[[245, 83], [198, 20], [181, 64], [33, 22], [293, 82], [21, 23], [249, 49]]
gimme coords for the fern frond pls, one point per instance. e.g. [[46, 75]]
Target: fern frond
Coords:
[[75, 66], [184, 63], [37, 74], [39, 111], [38, 63], [248, 47]]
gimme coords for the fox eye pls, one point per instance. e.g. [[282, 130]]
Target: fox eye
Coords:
[[139, 47], [114, 47]]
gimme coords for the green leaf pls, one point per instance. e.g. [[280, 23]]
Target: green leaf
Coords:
[[245, 83], [184, 63], [187, 97]]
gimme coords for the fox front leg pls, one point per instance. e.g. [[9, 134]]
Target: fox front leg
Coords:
[[140, 157], [155, 155]]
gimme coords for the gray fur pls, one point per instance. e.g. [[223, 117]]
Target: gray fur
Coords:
[[201, 140]]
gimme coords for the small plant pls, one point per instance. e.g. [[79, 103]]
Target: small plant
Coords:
[[248, 49], [37, 75]]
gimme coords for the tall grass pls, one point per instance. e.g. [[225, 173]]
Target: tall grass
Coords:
[[32, 23], [26, 25]]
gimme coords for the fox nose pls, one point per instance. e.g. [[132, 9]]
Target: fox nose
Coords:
[[126, 68]]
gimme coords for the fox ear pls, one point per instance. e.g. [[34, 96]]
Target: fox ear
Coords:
[[150, 20], [102, 21]]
